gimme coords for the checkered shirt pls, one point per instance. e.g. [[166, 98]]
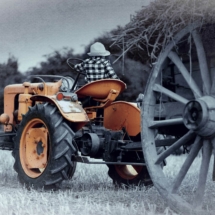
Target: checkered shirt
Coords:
[[96, 68]]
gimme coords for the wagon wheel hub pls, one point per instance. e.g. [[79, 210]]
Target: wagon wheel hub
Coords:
[[199, 116]]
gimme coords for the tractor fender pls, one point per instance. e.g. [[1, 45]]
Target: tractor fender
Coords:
[[71, 111], [122, 114]]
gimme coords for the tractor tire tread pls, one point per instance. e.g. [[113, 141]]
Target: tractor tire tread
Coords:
[[59, 163]]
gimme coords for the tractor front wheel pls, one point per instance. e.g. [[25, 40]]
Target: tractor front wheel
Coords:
[[43, 148]]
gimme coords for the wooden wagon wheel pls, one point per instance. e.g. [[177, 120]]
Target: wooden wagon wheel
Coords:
[[197, 119]]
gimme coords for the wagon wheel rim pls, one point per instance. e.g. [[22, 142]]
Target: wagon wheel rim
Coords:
[[34, 148], [203, 139]]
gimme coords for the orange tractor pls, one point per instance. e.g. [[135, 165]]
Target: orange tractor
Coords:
[[50, 126]]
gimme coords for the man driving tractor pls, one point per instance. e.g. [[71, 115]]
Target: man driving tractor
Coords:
[[97, 66]]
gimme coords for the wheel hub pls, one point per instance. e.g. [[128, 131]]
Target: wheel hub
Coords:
[[36, 148], [199, 116], [128, 172], [40, 147]]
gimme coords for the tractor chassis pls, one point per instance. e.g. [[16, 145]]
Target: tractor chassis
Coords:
[[6, 141]]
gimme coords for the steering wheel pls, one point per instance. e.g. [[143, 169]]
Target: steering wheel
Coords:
[[72, 62]]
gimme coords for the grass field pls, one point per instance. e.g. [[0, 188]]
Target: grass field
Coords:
[[91, 192]]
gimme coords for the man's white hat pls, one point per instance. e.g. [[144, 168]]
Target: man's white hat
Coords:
[[98, 49]]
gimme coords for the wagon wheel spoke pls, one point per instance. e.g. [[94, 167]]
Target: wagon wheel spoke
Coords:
[[213, 87], [191, 83], [167, 122], [202, 62], [189, 160], [213, 144], [213, 175], [161, 89], [206, 155], [182, 141]]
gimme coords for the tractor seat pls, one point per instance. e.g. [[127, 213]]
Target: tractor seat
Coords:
[[100, 89]]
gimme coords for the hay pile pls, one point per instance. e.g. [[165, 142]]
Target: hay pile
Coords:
[[155, 25]]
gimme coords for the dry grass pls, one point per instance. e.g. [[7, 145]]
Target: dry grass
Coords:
[[90, 192], [155, 25]]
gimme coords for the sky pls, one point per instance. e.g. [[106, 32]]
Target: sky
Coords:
[[30, 29]]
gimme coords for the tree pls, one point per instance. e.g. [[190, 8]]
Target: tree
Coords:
[[9, 74], [56, 64]]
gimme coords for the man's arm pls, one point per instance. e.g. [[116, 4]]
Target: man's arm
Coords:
[[110, 73]]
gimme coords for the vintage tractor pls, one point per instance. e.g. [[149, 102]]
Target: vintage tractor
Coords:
[[50, 126]]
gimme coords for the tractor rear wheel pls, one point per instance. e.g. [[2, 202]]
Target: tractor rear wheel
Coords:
[[43, 148], [129, 175]]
